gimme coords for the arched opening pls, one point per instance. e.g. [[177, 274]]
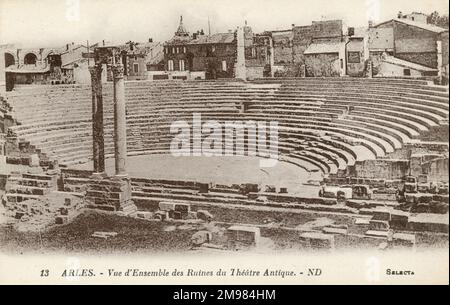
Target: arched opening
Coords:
[[30, 59], [9, 60]]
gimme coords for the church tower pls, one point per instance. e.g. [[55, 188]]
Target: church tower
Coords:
[[181, 31]]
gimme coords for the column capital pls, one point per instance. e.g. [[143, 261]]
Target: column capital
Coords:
[[117, 70]]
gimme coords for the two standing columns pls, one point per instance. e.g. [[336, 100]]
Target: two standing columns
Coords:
[[120, 136]]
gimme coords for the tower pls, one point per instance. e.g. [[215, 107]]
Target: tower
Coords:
[[181, 31]]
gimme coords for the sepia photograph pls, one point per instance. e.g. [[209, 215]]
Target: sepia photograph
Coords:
[[224, 142]]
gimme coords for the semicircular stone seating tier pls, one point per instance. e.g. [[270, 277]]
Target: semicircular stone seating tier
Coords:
[[325, 124]]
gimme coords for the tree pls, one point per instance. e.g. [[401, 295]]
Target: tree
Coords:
[[436, 19]]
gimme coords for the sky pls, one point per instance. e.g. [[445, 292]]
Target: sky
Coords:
[[46, 23]]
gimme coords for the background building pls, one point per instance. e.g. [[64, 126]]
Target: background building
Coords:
[[140, 58], [357, 51], [62, 65], [419, 49], [313, 50], [258, 54], [414, 16], [201, 56]]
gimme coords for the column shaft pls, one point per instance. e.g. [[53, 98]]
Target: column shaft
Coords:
[[98, 147], [99, 123], [120, 126]]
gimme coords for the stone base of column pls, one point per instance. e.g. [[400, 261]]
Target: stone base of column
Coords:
[[110, 194], [127, 205]]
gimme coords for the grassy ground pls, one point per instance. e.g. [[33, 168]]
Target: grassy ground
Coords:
[[134, 235], [141, 236], [247, 216]]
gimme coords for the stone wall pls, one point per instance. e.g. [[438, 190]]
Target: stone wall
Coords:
[[381, 39], [302, 38], [436, 133], [432, 165], [437, 169], [327, 29], [320, 65], [109, 193], [388, 169], [444, 38], [428, 59], [282, 44], [445, 56], [255, 72]]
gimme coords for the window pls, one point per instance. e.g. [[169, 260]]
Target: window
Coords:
[[173, 50], [136, 68], [407, 72], [178, 50], [224, 65], [170, 65], [253, 52], [342, 63], [30, 59], [9, 60], [182, 65], [354, 57], [184, 50]]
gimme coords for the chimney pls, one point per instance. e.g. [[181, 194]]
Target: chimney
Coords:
[[370, 24], [150, 40], [351, 31], [293, 25]]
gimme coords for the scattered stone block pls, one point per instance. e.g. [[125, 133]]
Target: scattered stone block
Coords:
[[379, 225], [362, 221], [403, 240], [61, 219], [375, 233], [104, 235], [317, 240], [331, 230], [382, 214]]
